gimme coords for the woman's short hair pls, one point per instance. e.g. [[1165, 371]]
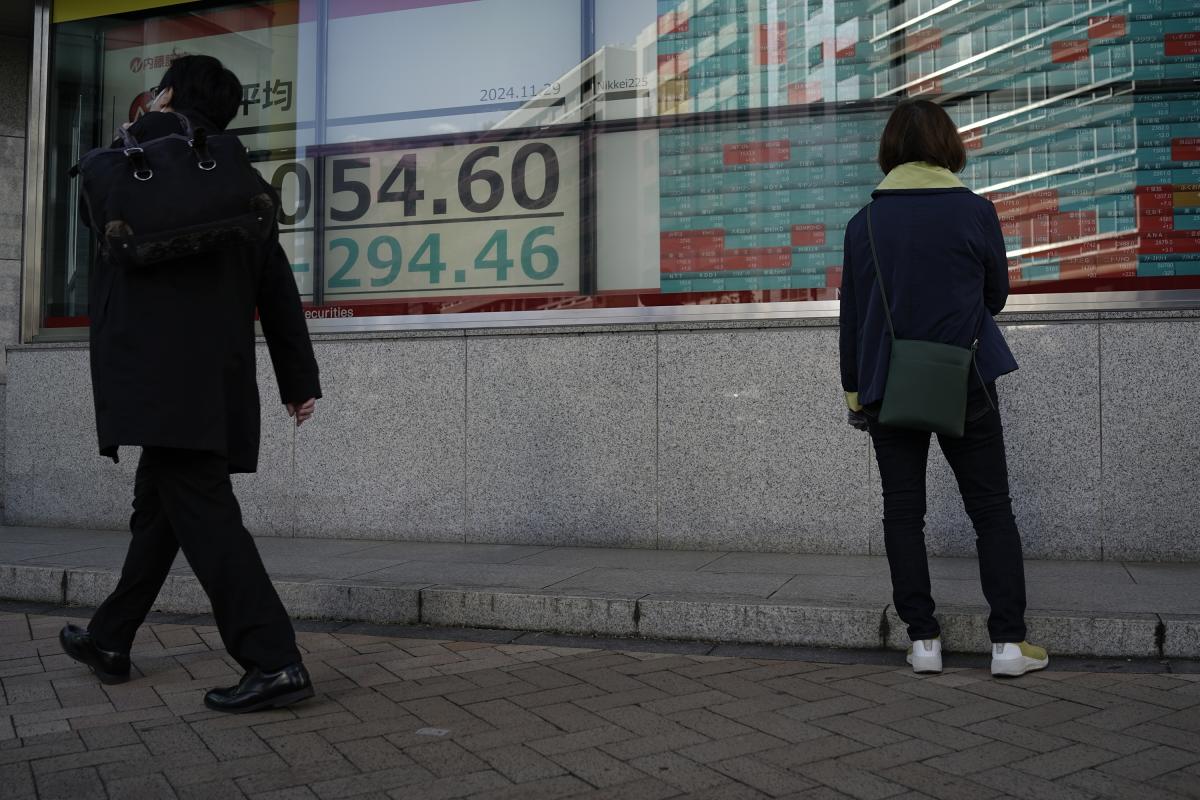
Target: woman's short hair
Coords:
[[203, 84], [920, 130]]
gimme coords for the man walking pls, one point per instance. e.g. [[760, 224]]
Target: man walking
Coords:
[[172, 355]]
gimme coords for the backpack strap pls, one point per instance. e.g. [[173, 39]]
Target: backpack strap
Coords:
[[136, 155], [199, 143], [198, 139]]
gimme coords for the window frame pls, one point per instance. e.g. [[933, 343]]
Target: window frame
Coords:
[[32, 282]]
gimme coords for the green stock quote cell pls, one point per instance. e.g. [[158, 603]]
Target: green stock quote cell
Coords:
[[378, 264]]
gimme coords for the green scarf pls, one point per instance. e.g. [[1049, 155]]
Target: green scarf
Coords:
[[920, 175]]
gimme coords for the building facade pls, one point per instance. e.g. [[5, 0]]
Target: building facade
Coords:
[[572, 268]]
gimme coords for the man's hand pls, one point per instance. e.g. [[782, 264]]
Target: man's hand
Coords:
[[303, 411]]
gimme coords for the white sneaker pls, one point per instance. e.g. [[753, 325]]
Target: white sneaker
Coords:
[[1012, 659], [925, 655]]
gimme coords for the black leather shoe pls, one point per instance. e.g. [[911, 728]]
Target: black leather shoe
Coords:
[[261, 690], [110, 666]]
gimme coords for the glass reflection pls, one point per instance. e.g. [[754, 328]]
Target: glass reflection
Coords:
[[705, 151]]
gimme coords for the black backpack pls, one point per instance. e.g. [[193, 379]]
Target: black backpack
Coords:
[[173, 196]]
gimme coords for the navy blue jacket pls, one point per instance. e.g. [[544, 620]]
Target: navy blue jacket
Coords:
[[946, 275]]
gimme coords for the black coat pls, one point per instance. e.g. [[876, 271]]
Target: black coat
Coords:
[[173, 345]]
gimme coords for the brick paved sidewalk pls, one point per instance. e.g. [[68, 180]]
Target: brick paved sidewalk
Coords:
[[424, 718]]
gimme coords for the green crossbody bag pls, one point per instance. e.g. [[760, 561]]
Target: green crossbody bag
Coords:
[[927, 381]]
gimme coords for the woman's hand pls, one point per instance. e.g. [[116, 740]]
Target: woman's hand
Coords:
[[303, 411]]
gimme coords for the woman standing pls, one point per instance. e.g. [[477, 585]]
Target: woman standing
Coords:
[[945, 275]]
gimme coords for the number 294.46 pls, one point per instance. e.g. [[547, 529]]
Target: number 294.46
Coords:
[[387, 262]]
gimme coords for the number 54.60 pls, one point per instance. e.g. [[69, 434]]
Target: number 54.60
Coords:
[[384, 253]]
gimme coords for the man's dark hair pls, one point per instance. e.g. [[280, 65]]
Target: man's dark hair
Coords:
[[920, 130], [203, 84]]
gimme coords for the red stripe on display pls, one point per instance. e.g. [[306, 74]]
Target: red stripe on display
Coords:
[[1182, 44], [766, 54], [1072, 225], [1107, 27], [1156, 223], [709, 242], [1187, 149], [197, 24], [924, 41], [652, 298], [1025, 205], [800, 93], [758, 152], [157, 30], [671, 65], [808, 235], [66, 322], [1179, 242], [1094, 268], [692, 233], [673, 22], [1068, 51], [1116, 245], [744, 258], [1155, 208]]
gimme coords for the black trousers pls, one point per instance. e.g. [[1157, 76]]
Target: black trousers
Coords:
[[183, 499], [980, 466]]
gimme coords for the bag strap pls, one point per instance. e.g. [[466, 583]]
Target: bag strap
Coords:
[[199, 143], [975, 361], [887, 310], [197, 138], [136, 155]]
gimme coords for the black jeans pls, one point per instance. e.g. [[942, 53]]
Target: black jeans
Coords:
[[979, 464], [184, 499]]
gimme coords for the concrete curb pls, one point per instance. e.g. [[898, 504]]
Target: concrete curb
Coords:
[[758, 621], [713, 618], [522, 609], [1180, 636], [1106, 635]]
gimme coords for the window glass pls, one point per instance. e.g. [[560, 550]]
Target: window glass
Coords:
[[471, 156], [430, 67], [102, 72]]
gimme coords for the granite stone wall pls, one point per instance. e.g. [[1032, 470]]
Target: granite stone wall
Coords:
[[14, 90], [719, 438]]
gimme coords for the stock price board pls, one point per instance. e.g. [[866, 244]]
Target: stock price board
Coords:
[[436, 221]]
